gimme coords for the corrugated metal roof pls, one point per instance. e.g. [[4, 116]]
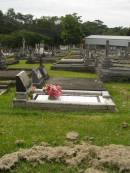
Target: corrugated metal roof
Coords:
[[109, 37]]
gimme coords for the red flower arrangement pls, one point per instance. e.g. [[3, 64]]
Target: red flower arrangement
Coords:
[[54, 91]]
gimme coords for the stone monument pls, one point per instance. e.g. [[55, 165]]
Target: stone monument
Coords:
[[2, 61]]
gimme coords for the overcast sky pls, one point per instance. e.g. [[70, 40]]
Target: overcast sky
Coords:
[[111, 12]]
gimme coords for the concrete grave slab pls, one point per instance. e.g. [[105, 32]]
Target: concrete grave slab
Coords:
[[68, 102], [74, 67], [71, 61]]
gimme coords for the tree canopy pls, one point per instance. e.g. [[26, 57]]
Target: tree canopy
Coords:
[[68, 29]]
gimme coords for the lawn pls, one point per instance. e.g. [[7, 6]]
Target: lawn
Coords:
[[35, 126], [54, 73]]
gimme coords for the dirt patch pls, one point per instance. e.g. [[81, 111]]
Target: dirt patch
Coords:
[[92, 170], [115, 157]]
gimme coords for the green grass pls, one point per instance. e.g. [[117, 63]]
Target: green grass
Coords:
[[53, 73], [35, 126], [23, 64]]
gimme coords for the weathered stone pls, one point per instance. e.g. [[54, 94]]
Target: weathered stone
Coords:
[[125, 125], [2, 61], [72, 136], [20, 142], [23, 82], [39, 76]]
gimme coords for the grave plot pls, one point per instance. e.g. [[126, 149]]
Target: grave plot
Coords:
[[8, 74], [7, 59], [74, 67], [114, 65], [87, 84], [71, 61], [114, 69], [7, 78], [70, 100], [36, 58], [5, 74], [4, 85], [11, 60], [2, 61], [76, 62]]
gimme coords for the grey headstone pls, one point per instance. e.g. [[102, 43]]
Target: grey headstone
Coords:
[[2, 61], [44, 72], [23, 82], [39, 76], [107, 48]]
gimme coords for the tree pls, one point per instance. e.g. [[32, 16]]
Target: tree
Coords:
[[71, 29], [14, 40], [1, 22], [117, 31], [49, 26], [95, 27]]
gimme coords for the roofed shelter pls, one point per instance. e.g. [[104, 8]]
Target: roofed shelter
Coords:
[[118, 41]]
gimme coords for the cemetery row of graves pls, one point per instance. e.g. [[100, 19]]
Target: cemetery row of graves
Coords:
[[110, 64], [94, 104]]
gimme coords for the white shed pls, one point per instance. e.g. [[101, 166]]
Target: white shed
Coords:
[[122, 41]]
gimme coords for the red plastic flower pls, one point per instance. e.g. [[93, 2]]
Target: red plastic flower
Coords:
[[53, 90]]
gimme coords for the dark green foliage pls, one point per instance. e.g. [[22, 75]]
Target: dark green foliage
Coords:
[[71, 29], [14, 40], [53, 30], [95, 27]]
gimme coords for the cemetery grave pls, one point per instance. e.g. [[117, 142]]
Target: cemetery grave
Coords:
[[115, 70], [11, 60], [70, 100], [3, 64], [114, 64], [70, 61], [4, 85], [36, 59], [76, 61], [7, 78], [47, 57], [9, 74]]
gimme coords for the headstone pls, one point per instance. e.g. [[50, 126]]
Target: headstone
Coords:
[[23, 82], [44, 72], [39, 76], [107, 48], [2, 61], [30, 59], [106, 63], [128, 48]]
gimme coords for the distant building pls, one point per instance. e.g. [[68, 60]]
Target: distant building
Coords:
[[117, 41]]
